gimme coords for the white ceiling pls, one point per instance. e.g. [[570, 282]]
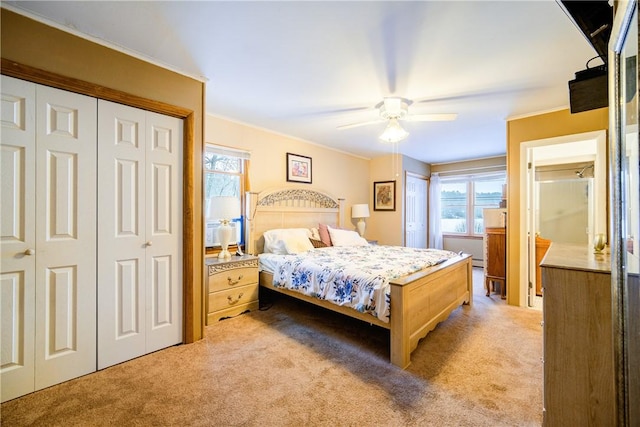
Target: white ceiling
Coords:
[[303, 68]]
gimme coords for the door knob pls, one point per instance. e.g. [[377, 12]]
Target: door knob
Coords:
[[30, 252], [149, 243]]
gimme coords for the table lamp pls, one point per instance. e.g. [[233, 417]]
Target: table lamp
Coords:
[[360, 211], [224, 209]]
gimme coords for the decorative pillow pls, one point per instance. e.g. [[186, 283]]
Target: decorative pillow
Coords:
[[275, 240], [315, 234], [297, 243], [346, 238], [317, 243], [323, 230]]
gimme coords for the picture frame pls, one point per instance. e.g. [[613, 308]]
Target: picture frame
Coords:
[[384, 196], [299, 168]]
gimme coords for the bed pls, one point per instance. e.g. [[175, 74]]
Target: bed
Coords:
[[418, 300]]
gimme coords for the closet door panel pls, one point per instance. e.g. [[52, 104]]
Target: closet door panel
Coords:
[[17, 237], [164, 231], [65, 236], [121, 234], [17, 372]]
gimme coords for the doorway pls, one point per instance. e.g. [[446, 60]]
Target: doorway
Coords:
[[416, 211], [564, 202], [564, 182]]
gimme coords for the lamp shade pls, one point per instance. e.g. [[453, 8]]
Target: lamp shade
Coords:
[[393, 132], [360, 211], [223, 208]]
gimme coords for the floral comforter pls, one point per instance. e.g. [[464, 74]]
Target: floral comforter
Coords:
[[352, 276]]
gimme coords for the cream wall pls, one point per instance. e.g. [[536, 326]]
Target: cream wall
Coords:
[[340, 174], [387, 227], [414, 166], [549, 125]]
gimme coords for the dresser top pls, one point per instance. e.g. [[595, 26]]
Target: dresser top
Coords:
[[576, 257]]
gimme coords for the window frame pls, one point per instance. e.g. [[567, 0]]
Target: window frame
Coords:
[[470, 181], [241, 174], [456, 180]]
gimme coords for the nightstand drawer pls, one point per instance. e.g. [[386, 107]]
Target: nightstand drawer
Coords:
[[232, 297], [233, 278]]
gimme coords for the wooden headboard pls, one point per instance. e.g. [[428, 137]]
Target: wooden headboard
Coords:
[[289, 208]]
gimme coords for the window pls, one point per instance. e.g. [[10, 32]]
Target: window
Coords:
[[224, 175], [463, 200], [454, 204]]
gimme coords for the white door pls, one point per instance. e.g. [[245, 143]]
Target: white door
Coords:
[[140, 226], [163, 231], [65, 236], [18, 237], [48, 236], [121, 213], [416, 212]]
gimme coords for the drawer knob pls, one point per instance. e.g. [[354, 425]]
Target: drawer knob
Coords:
[[234, 282], [232, 301]]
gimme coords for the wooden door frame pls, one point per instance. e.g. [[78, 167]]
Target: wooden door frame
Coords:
[[36, 75]]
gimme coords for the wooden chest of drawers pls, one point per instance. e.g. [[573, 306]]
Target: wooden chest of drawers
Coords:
[[232, 286], [578, 368], [495, 259]]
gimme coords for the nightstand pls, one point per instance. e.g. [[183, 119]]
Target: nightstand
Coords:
[[232, 286]]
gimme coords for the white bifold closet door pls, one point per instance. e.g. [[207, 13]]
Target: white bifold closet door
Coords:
[[139, 232], [48, 236]]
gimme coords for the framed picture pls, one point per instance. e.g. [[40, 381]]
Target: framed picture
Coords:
[[384, 196], [298, 168]]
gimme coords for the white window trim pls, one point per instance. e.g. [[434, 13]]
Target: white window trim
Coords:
[[227, 151], [470, 179]]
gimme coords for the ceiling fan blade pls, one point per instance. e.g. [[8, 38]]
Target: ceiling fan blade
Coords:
[[442, 117], [354, 125], [494, 92], [336, 111]]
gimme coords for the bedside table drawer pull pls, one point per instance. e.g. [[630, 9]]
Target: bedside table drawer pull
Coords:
[[234, 282], [231, 301]]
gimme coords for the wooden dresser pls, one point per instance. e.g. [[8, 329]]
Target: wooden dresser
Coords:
[[232, 286], [495, 258], [578, 343]]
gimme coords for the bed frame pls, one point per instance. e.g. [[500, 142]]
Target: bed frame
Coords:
[[419, 301]]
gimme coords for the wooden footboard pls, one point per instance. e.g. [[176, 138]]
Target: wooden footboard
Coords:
[[419, 302], [422, 300]]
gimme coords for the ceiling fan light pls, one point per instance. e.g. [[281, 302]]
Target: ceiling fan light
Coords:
[[393, 132]]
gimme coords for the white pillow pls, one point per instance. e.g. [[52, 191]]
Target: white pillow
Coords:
[[275, 240], [297, 243], [346, 238]]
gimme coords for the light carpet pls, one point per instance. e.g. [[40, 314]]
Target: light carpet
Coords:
[[298, 365]]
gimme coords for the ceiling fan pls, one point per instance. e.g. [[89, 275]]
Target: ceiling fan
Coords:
[[393, 110]]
